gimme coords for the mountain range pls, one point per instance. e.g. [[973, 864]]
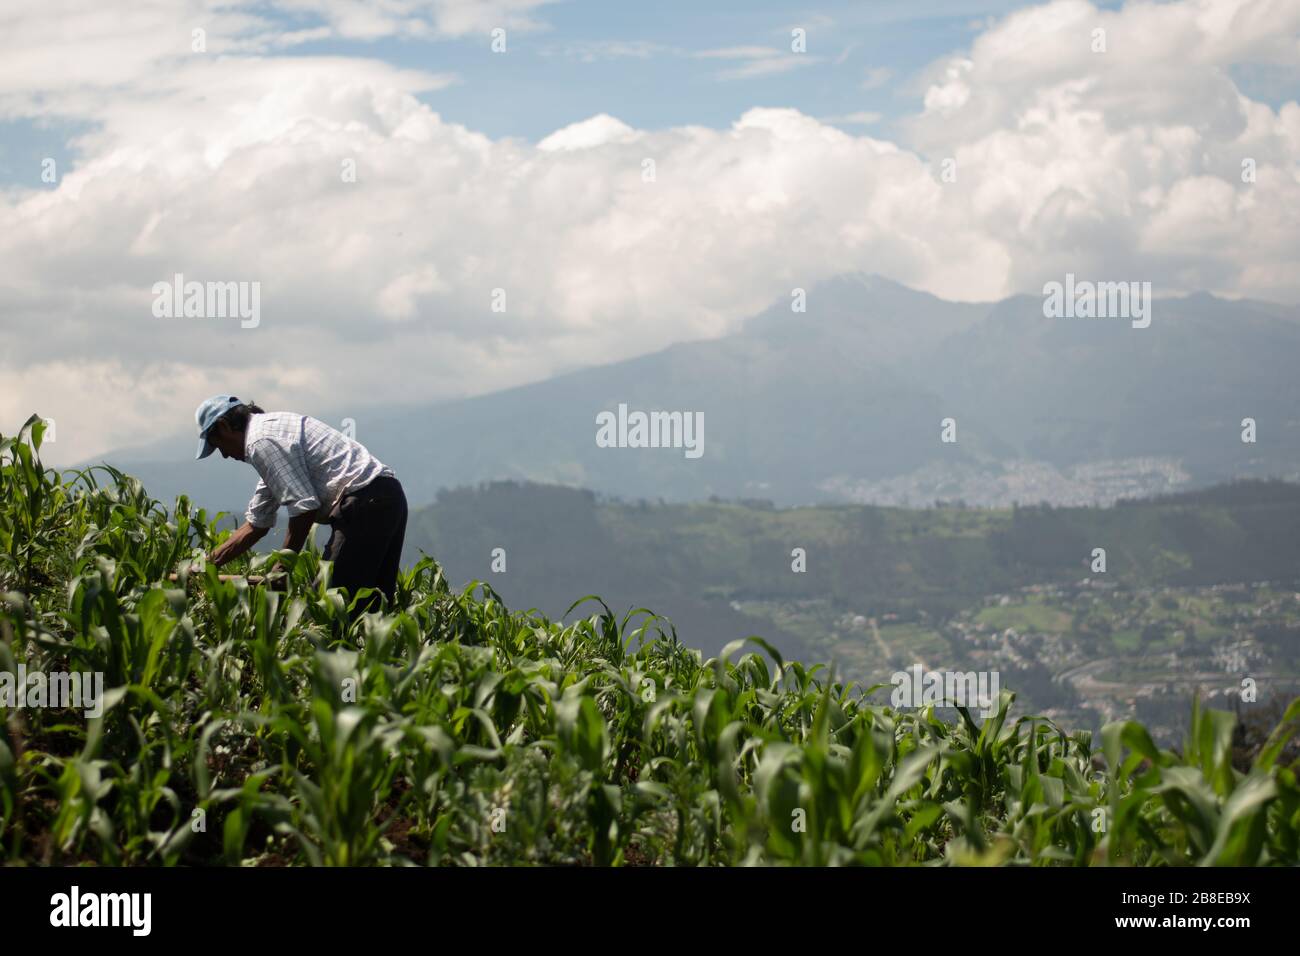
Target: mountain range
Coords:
[[848, 400]]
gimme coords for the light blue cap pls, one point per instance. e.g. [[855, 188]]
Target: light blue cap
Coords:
[[207, 416]]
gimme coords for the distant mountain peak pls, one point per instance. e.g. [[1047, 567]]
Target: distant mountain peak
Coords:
[[844, 400]]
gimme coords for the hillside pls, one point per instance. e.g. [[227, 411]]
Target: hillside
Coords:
[[238, 724], [698, 557], [1199, 589]]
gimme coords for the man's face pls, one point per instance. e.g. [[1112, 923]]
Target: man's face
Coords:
[[227, 441]]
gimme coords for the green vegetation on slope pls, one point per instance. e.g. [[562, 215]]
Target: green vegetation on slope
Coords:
[[245, 724], [723, 570], [892, 559]]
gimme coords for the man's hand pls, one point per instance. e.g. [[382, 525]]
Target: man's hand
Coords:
[[244, 537]]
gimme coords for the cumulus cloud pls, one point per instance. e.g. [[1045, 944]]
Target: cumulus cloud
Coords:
[[597, 131], [1114, 142], [457, 263]]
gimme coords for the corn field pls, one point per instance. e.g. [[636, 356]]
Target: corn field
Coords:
[[253, 726]]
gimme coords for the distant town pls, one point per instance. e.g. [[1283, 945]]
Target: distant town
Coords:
[[1083, 654], [1021, 481]]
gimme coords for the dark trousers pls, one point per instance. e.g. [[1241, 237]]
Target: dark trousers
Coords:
[[369, 527]]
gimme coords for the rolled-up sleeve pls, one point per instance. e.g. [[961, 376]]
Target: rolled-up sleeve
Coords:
[[284, 472], [262, 507]]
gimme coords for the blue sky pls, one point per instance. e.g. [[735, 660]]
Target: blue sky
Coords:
[[545, 84], [584, 61], [641, 63]]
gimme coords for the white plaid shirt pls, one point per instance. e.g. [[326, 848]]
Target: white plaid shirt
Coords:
[[304, 464]]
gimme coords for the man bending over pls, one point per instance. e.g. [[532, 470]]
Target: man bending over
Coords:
[[322, 477]]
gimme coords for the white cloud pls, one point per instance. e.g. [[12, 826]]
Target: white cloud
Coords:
[[228, 167], [767, 66], [597, 131], [399, 298], [1127, 160], [54, 57], [758, 61]]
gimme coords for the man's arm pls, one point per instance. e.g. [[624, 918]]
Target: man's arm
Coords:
[[284, 472], [263, 506], [248, 535], [244, 537], [299, 528], [258, 520]]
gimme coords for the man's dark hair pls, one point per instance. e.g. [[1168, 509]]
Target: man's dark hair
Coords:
[[237, 417]]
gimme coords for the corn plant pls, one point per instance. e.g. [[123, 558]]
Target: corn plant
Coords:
[[242, 725]]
